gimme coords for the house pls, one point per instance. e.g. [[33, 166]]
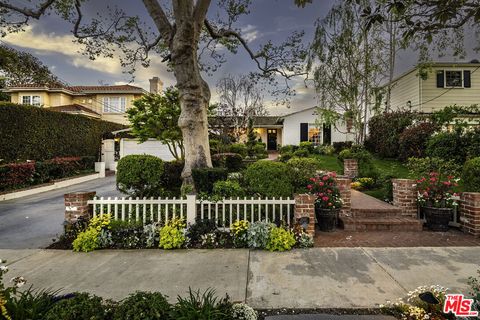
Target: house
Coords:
[[440, 85], [107, 103]]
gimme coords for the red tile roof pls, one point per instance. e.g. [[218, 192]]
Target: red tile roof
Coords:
[[73, 108], [80, 89]]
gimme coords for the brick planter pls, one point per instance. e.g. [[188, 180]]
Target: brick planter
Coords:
[[76, 206], [344, 185], [405, 196], [305, 208], [350, 168], [470, 213]]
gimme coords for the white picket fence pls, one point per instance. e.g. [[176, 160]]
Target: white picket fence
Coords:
[[224, 212]]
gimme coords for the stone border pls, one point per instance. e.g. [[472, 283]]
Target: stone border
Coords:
[[54, 186]]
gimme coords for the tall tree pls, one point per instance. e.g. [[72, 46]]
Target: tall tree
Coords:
[[240, 100], [183, 33], [156, 116], [348, 65]]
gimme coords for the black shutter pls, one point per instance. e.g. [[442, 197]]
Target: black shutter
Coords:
[[303, 132], [467, 83], [440, 79]]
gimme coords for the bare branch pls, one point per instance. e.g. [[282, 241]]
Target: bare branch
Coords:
[[36, 14]]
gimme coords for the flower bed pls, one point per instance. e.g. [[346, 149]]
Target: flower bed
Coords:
[[103, 232]]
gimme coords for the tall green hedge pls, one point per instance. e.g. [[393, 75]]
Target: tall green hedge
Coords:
[[34, 133]]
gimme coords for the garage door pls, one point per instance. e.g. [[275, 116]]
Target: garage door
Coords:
[[152, 147]]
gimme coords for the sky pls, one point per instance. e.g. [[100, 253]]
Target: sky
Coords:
[[50, 40]]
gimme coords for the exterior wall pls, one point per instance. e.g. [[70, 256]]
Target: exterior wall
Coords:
[[14, 97], [406, 89], [44, 97], [449, 96], [113, 117], [291, 128], [60, 99]]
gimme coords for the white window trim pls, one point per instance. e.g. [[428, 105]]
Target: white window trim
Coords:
[[30, 99], [445, 79], [107, 108]]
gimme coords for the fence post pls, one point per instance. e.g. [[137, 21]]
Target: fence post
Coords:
[[191, 208], [350, 168], [76, 206], [405, 196], [344, 185], [305, 209]]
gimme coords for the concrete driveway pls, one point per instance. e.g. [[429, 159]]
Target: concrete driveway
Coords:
[[32, 222]]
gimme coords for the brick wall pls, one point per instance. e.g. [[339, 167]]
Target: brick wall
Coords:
[[405, 196], [345, 188], [350, 168], [305, 208], [76, 206], [470, 213]]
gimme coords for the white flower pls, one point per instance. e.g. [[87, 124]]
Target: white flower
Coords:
[[3, 268], [18, 281]]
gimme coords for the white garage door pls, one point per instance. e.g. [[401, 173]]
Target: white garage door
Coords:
[[152, 147]]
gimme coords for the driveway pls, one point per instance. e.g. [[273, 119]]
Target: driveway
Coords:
[[32, 222]]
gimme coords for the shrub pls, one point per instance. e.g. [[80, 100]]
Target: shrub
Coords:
[[325, 189], [259, 150], [28, 304], [202, 306], [171, 235], [171, 181], [422, 166], [16, 175], [340, 146], [269, 179], [301, 153], [205, 178], [128, 234], [238, 148], [143, 305], [82, 306], [280, 239], [287, 149], [471, 175], [366, 183], [300, 171], [366, 168], [228, 189], [88, 240], [242, 311], [473, 143], [385, 130], [34, 133], [447, 145], [286, 156], [258, 233], [140, 175], [198, 229], [231, 161], [326, 150], [307, 145], [413, 140]]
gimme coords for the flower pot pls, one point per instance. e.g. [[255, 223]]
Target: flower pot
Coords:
[[326, 218], [437, 218]]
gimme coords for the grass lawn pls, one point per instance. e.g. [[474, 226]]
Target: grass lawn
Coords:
[[386, 167]]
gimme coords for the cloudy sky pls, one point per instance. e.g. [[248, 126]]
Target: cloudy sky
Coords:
[[50, 40]]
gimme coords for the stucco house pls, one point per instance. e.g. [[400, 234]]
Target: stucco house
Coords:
[[103, 102], [441, 85]]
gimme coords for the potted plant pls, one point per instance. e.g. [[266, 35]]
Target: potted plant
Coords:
[[436, 199], [328, 202]]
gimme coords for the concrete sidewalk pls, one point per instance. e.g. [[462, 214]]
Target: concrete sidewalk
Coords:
[[310, 278]]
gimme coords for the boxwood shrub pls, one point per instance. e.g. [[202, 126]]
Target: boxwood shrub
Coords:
[[413, 140], [471, 175], [448, 145], [140, 175], [32, 133], [231, 161], [269, 179], [301, 170], [205, 178]]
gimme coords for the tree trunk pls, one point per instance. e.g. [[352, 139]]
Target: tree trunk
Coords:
[[194, 100]]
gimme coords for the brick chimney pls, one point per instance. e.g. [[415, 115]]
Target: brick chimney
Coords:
[[156, 85]]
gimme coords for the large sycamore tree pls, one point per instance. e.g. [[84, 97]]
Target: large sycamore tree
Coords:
[[183, 32]]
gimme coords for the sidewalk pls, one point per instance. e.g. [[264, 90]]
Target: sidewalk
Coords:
[[311, 278]]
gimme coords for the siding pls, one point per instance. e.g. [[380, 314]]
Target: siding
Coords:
[[405, 89], [435, 99]]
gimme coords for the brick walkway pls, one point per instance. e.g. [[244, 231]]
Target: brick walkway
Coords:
[[342, 238]]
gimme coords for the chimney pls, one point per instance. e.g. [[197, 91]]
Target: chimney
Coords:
[[156, 85]]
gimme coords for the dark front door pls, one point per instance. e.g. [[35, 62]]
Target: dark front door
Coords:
[[271, 139], [327, 134]]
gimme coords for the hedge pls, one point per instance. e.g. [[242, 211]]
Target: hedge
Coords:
[[32, 133]]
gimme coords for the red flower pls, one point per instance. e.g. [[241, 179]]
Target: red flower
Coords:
[[309, 186], [321, 184], [325, 198], [325, 178]]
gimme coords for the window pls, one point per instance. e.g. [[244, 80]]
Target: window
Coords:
[[314, 134], [114, 104], [31, 100], [453, 78]]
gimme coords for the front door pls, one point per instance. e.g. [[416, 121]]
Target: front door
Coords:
[[272, 139], [327, 134]]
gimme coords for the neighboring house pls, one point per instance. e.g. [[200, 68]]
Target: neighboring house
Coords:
[[103, 102], [441, 85]]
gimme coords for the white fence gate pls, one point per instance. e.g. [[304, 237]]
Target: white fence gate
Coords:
[[224, 212]]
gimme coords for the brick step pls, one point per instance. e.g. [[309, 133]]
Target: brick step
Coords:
[[392, 212], [381, 224]]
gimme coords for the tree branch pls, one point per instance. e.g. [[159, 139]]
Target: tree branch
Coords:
[[200, 11], [159, 18]]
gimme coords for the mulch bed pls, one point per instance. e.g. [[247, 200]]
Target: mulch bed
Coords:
[[262, 313]]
